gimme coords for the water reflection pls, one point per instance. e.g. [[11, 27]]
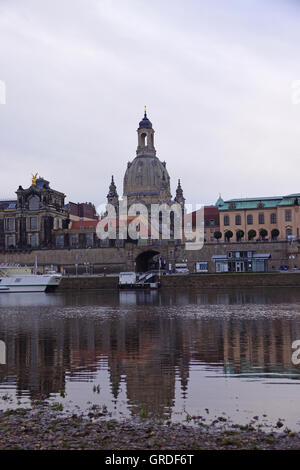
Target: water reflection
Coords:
[[154, 351]]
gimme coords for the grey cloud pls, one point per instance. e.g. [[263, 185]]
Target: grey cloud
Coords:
[[216, 82]]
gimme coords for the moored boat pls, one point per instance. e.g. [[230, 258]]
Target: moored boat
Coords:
[[15, 278]]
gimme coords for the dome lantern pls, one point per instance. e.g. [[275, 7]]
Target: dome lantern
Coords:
[[145, 137]]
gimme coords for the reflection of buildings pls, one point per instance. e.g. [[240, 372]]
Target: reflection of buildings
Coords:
[[147, 346]]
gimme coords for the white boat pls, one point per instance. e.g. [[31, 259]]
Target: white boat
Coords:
[[15, 278]]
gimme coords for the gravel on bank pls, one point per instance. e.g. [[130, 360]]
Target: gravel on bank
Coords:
[[41, 428]]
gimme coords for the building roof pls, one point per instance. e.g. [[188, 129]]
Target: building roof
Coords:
[[145, 123], [78, 224], [258, 202], [8, 205]]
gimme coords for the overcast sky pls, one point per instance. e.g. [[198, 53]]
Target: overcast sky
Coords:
[[216, 77]]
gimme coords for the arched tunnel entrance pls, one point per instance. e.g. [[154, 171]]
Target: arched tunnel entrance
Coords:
[[147, 261]]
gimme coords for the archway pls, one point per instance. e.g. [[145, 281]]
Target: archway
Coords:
[[146, 261]]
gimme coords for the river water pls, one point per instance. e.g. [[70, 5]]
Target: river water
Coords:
[[163, 354]]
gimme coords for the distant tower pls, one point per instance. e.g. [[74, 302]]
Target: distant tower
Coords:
[[112, 197], [179, 197]]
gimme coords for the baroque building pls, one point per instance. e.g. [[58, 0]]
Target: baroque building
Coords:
[[267, 218], [29, 221]]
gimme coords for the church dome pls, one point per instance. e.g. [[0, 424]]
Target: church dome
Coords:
[[145, 123], [147, 180]]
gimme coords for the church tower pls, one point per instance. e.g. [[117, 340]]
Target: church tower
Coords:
[[179, 197], [112, 197], [145, 137], [146, 180]]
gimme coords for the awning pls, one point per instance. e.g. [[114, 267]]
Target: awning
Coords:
[[261, 255]]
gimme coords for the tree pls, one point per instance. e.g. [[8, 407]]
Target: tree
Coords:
[[263, 233], [228, 235], [251, 234], [275, 233], [217, 235], [239, 235]]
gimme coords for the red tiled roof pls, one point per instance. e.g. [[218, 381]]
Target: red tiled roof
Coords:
[[77, 224]]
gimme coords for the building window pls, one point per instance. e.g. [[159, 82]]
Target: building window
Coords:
[[288, 215], [226, 220], [74, 240], [60, 241], [33, 223], [238, 220], [33, 241], [10, 241], [261, 218], [212, 222], [273, 219], [34, 203], [289, 232], [222, 266], [89, 240], [10, 224], [250, 219]]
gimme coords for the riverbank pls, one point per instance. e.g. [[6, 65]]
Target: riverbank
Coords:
[[44, 429], [194, 281]]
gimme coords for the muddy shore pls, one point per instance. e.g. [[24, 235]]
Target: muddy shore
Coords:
[[45, 429]]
